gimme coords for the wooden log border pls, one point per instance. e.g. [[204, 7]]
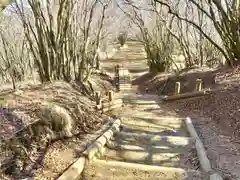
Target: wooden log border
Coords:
[[75, 170], [177, 95], [201, 152], [186, 95]]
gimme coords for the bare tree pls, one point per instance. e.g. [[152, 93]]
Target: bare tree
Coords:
[[225, 19], [14, 57], [63, 36], [192, 43], [156, 36]]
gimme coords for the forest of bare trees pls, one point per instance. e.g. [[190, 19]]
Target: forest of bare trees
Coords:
[[57, 43], [61, 40], [205, 32]]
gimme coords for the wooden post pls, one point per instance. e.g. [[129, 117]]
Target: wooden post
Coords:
[[198, 84], [177, 88], [117, 84], [117, 76], [110, 95], [97, 95], [117, 69], [99, 106], [100, 103]]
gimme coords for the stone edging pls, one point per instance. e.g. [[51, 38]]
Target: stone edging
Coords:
[[98, 145], [75, 170], [202, 155]]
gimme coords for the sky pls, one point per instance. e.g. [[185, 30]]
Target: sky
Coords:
[[11, 8]]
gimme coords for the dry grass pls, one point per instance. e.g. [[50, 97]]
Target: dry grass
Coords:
[[44, 127]]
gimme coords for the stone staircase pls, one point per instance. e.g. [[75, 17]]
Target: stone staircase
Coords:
[[131, 57], [148, 146], [152, 144]]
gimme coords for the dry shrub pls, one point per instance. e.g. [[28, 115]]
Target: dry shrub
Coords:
[[122, 38], [41, 115]]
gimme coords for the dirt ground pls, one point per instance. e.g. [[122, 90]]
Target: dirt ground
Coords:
[[61, 154], [163, 83], [45, 127], [216, 116]]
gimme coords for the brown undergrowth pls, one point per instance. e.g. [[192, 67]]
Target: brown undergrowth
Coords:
[[43, 125], [215, 116]]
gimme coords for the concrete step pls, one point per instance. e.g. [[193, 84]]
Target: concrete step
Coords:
[[133, 50], [146, 120], [143, 98], [149, 139], [140, 57], [125, 85], [158, 159], [154, 130], [123, 88], [148, 149], [114, 170], [123, 81], [125, 53], [156, 146]]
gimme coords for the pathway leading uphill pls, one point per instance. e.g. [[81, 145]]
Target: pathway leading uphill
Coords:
[[153, 143]]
